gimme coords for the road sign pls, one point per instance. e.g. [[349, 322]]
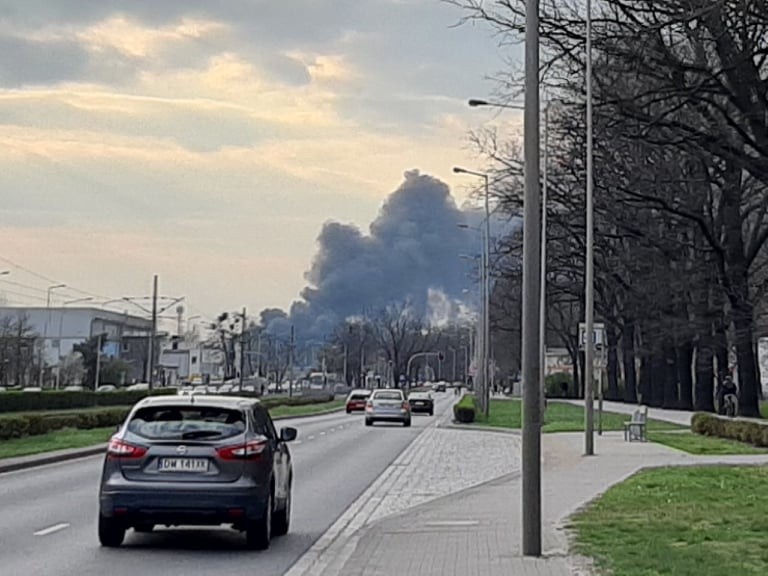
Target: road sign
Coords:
[[598, 335]]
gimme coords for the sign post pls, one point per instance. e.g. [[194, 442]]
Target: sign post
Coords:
[[598, 341]]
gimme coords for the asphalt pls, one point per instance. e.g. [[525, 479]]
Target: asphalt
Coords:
[[48, 512]]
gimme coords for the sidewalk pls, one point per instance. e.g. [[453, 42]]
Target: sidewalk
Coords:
[[478, 531]]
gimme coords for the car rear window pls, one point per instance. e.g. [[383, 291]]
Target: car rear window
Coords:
[[186, 422], [388, 396], [358, 396]]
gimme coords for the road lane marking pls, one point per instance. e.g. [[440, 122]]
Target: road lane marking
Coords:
[[311, 437], [52, 529], [322, 433]]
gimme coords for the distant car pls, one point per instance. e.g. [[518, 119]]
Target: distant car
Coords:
[[422, 402], [205, 461], [138, 386], [225, 388], [32, 389], [356, 400], [104, 388], [387, 405], [440, 387]]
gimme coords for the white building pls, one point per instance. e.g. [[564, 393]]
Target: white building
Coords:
[[60, 329]]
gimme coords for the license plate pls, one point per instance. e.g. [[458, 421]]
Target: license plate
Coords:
[[194, 465], [418, 403]]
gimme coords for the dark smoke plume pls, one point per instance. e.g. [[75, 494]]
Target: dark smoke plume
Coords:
[[412, 249]]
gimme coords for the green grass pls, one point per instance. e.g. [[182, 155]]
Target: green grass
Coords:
[[703, 445], [690, 521], [559, 417], [764, 409], [57, 440], [306, 409]]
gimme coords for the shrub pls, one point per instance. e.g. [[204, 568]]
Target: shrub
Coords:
[[556, 385], [464, 410], [748, 431], [18, 425], [60, 400]]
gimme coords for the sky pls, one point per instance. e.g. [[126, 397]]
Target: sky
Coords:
[[210, 142]]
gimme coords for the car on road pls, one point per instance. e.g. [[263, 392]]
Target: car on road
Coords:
[[389, 405], [440, 387], [422, 402], [105, 388], [197, 460], [357, 400]]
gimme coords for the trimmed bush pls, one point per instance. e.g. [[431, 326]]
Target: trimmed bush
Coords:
[[747, 431], [556, 385], [465, 409], [59, 400], [18, 425]]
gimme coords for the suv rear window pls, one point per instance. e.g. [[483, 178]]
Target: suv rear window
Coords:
[[186, 422]]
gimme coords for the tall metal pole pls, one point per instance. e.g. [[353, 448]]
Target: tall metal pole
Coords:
[[487, 303], [290, 361], [98, 363], [152, 336], [531, 464], [543, 280], [589, 320], [243, 334]]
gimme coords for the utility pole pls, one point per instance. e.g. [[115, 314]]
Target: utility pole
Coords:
[[589, 308], [98, 363], [290, 361], [243, 334], [152, 336], [531, 461]]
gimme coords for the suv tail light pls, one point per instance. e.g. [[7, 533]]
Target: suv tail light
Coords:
[[119, 449], [406, 405], [369, 406], [249, 451]]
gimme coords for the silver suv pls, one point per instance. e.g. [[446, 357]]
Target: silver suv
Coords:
[[197, 460]]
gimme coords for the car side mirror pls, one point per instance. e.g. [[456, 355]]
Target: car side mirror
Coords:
[[288, 434]]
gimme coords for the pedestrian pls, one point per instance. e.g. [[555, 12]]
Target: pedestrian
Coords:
[[262, 388]]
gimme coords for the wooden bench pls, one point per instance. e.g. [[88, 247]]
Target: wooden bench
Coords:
[[635, 429]]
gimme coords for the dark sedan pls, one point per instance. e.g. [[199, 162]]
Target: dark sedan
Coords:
[[197, 460], [422, 402]]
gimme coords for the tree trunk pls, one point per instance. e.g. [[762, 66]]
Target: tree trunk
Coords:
[[671, 395], [721, 351], [657, 379], [705, 372], [628, 350], [684, 375], [645, 379], [576, 376], [745, 359], [612, 367]]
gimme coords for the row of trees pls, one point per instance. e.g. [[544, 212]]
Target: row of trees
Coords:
[[681, 188]]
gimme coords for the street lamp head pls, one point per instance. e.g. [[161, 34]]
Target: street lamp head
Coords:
[[5, 272], [459, 170], [475, 102], [54, 287]]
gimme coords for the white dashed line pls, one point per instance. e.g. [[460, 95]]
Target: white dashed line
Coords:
[[52, 529], [311, 438], [322, 433]]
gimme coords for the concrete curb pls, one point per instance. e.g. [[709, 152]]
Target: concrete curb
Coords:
[[476, 428], [35, 460]]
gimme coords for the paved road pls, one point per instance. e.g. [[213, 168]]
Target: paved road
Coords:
[[48, 515]]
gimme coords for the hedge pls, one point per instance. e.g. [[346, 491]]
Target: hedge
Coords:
[[16, 401], [748, 431], [18, 425], [557, 385], [464, 410]]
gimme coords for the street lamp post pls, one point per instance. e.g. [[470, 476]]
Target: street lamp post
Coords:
[[589, 319], [45, 329], [486, 344]]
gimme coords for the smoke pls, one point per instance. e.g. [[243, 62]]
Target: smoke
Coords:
[[411, 252]]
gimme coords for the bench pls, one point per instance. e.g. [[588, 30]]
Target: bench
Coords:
[[635, 429]]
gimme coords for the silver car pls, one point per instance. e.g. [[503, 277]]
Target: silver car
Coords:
[[197, 460], [387, 406]]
